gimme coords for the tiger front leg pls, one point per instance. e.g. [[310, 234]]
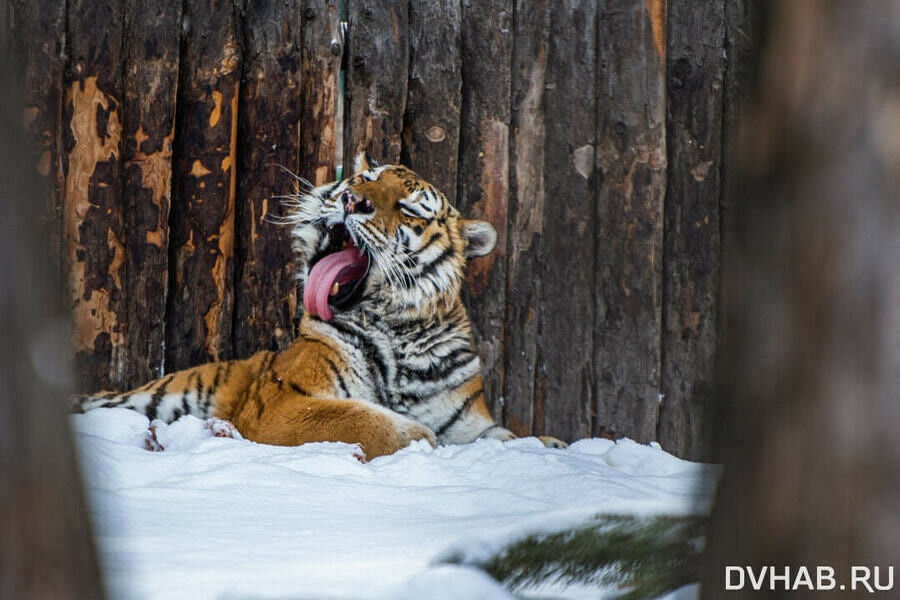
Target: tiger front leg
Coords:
[[294, 419]]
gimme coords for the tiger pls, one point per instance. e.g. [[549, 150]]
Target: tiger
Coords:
[[384, 353]]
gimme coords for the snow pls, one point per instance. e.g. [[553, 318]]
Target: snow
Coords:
[[224, 518]]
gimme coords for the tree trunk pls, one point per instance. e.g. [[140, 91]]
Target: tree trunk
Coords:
[[45, 545], [323, 48], [39, 39], [810, 379]]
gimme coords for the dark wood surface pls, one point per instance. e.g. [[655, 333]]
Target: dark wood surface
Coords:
[[377, 75], [531, 28], [152, 40], [431, 122], [631, 160], [564, 357], [691, 247], [483, 184], [321, 54], [39, 39], [269, 112], [593, 135], [201, 294]]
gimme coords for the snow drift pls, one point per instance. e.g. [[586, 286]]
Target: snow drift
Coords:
[[214, 517]]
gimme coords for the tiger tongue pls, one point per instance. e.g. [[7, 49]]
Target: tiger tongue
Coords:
[[337, 268]]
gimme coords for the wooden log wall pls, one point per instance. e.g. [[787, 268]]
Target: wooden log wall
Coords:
[[590, 133]]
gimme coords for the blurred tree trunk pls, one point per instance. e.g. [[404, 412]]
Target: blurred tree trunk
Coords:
[[811, 373], [45, 545]]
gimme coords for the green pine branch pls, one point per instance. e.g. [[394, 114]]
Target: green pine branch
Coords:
[[648, 556]]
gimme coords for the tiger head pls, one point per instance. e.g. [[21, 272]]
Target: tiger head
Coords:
[[383, 235]]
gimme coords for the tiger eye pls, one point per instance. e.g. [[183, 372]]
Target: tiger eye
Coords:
[[418, 229]]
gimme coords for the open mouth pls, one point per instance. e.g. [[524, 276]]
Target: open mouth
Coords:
[[336, 277]]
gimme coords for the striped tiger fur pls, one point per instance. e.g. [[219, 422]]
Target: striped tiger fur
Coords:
[[384, 354]]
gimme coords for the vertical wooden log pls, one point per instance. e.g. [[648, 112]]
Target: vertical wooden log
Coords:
[[431, 122], [199, 311], [631, 159], [270, 109], [694, 72], [526, 212], [377, 73], [322, 49], [152, 37], [487, 41], [562, 396], [45, 540], [38, 39], [94, 250]]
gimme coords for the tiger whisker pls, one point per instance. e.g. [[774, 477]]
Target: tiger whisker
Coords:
[[301, 180]]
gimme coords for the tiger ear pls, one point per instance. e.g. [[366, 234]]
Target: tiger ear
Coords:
[[363, 162], [480, 236]]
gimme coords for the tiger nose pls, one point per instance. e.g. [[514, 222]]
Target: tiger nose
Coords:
[[356, 204]]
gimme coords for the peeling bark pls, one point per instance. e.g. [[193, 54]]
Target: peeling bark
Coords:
[[321, 55], [199, 311], [152, 46], [266, 291], [94, 251]]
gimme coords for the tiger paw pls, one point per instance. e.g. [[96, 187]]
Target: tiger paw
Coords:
[[495, 432], [552, 442], [222, 428], [151, 442], [415, 431], [401, 434], [358, 454]]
